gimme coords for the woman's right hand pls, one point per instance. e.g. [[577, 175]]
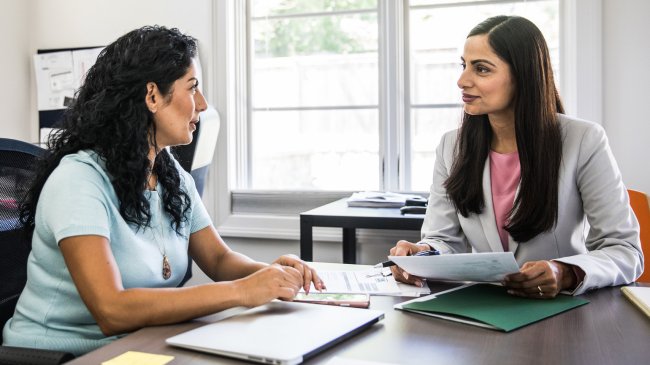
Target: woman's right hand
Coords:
[[406, 248], [272, 282]]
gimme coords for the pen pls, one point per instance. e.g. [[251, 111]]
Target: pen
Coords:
[[388, 263]]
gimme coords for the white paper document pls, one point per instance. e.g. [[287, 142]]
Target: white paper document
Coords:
[[54, 79], [60, 74], [379, 199], [482, 267], [367, 281]]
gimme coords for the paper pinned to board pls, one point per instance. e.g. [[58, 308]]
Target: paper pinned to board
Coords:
[[481, 267], [60, 74]]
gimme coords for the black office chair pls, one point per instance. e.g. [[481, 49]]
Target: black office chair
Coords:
[[196, 157], [17, 170]]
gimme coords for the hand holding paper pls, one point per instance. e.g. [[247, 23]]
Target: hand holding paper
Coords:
[[482, 267]]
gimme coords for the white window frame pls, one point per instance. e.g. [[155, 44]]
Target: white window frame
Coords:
[[273, 214]]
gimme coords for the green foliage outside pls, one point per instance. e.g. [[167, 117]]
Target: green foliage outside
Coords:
[[308, 35]]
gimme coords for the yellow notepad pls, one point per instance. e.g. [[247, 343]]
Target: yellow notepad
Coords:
[[139, 358], [640, 296]]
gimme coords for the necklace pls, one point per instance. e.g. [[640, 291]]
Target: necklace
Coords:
[[166, 267]]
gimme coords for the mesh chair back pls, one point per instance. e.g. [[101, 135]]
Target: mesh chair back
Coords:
[[18, 162]]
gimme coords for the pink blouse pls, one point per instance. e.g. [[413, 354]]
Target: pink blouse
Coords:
[[505, 172]]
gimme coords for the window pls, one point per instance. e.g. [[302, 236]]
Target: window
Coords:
[[348, 95], [313, 95], [324, 97]]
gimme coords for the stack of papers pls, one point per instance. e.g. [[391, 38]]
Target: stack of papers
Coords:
[[640, 296], [378, 199]]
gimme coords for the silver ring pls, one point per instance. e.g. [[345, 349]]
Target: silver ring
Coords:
[[540, 291]]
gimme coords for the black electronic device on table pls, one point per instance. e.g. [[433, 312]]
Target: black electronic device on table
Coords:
[[414, 205]]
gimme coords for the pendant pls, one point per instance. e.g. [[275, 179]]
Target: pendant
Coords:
[[166, 268]]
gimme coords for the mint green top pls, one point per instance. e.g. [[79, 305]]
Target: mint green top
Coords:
[[78, 199]]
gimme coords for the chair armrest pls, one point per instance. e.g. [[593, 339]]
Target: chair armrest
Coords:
[[28, 356]]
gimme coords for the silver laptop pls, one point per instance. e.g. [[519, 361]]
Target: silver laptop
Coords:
[[282, 333]]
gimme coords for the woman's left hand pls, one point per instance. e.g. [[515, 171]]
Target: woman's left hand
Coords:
[[540, 279], [309, 274]]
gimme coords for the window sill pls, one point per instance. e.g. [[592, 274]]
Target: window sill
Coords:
[[271, 226], [276, 215], [287, 227]]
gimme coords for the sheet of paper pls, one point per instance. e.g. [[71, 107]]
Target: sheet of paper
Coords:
[[54, 79], [139, 358], [430, 296], [82, 60], [482, 267], [46, 133], [59, 75], [366, 281], [405, 290]]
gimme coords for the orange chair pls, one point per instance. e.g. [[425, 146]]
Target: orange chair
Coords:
[[641, 208]]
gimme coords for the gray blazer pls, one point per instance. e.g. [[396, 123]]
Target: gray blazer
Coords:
[[596, 229]]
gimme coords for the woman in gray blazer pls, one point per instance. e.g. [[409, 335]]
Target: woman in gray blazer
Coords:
[[521, 176]]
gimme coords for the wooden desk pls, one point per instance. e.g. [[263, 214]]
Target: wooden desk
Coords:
[[609, 330], [338, 214]]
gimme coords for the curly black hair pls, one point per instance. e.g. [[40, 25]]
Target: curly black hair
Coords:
[[110, 117]]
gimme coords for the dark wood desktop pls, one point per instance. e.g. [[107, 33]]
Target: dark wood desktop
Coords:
[[338, 214], [609, 330]]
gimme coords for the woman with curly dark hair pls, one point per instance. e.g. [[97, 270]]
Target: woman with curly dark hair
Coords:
[[520, 176], [113, 216]]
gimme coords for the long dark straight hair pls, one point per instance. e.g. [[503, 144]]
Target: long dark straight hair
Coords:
[[519, 43]]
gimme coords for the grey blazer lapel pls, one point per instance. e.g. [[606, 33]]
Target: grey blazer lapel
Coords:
[[512, 244], [488, 221]]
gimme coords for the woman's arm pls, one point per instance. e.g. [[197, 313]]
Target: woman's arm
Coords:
[[220, 263], [117, 310], [614, 254], [216, 259]]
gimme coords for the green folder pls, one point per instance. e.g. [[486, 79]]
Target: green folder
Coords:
[[490, 306]]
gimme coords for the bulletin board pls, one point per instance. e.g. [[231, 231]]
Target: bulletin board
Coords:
[[59, 73]]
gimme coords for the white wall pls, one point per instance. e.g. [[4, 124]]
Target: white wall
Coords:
[[78, 23], [28, 25], [15, 71], [626, 51]]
